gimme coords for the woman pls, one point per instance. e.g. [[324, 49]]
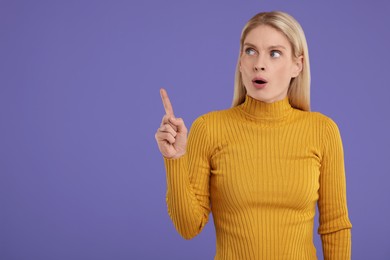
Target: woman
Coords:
[[262, 165]]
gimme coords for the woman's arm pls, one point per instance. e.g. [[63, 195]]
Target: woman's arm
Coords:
[[334, 224], [188, 194]]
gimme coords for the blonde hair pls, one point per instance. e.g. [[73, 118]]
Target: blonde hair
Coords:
[[299, 89]]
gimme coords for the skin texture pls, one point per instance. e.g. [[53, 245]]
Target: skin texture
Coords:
[[268, 50]]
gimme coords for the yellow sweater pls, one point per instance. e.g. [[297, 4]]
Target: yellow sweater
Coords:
[[261, 168]]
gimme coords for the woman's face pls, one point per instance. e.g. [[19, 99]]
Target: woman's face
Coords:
[[268, 50]]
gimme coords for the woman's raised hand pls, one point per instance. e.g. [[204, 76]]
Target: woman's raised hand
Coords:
[[171, 137]]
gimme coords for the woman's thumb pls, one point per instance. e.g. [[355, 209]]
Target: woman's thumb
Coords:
[[173, 120], [179, 123]]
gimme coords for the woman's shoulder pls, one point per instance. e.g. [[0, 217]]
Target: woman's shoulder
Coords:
[[322, 117], [217, 115], [323, 121]]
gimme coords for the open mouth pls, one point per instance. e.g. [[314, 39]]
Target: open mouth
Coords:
[[259, 81]]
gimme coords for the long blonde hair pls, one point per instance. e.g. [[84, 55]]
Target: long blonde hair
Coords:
[[299, 89]]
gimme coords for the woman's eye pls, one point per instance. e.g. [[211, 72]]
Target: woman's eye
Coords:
[[275, 54], [250, 51]]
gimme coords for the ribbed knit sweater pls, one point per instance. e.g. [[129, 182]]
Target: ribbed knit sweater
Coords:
[[260, 168]]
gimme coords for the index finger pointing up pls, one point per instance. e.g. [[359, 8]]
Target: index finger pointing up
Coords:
[[166, 102]]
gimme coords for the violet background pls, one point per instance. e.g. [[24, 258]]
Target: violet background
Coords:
[[81, 176]]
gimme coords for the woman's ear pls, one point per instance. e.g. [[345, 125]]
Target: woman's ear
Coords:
[[298, 66]]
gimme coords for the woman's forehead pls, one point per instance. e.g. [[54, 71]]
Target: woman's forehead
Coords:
[[265, 36]]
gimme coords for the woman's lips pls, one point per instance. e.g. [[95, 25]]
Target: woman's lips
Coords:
[[259, 82], [258, 85]]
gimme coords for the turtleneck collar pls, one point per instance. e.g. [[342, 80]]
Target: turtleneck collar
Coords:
[[261, 110]]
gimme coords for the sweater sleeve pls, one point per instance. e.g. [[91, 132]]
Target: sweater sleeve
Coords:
[[188, 193], [334, 224]]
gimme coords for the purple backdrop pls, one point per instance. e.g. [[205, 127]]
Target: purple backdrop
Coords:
[[81, 174]]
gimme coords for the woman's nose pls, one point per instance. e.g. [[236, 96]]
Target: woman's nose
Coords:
[[259, 64], [259, 69]]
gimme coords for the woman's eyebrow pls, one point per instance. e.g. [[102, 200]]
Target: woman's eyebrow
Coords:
[[249, 44], [277, 47], [270, 47]]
